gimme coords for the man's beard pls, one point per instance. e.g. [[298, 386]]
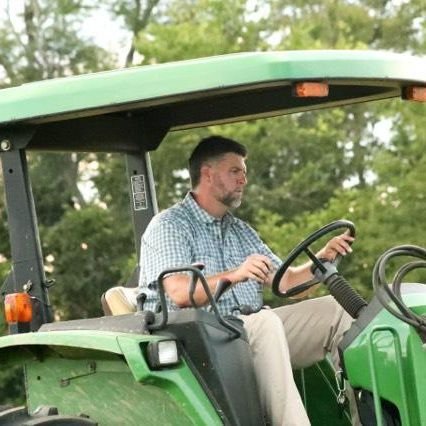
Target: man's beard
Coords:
[[231, 200]]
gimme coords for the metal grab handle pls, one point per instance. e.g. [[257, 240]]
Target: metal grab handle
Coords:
[[193, 283], [222, 285], [196, 273]]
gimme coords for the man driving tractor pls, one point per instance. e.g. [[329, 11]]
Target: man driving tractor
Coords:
[[202, 230]]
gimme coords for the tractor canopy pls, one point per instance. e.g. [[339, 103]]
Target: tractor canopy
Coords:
[[90, 112]]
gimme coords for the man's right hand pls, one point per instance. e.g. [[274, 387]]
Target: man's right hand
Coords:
[[256, 267]]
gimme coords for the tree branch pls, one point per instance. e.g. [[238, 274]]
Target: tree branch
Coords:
[[140, 23]]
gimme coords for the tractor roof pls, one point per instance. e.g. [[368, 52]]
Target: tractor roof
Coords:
[[201, 92]]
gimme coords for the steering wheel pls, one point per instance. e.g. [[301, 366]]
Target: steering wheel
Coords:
[[317, 263]]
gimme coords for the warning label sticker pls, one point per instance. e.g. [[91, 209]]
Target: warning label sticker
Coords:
[[139, 192]]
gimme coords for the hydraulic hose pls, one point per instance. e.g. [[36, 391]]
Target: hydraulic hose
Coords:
[[348, 298]]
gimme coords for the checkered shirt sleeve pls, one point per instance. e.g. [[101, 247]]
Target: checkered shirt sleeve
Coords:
[[168, 246]]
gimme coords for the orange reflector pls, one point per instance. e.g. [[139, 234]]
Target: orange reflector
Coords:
[[18, 308], [415, 93], [305, 89]]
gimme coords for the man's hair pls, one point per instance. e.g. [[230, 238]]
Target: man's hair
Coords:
[[211, 148]]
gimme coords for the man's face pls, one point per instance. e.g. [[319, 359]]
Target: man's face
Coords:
[[228, 179]]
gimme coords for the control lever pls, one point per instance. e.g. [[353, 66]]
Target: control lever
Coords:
[[193, 283], [149, 317], [222, 285], [140, 301]]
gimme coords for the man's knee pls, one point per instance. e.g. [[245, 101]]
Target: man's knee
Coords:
[[328, 308], [327, 304]]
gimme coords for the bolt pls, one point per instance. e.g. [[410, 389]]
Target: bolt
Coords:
[[27, 286], [5, 145]]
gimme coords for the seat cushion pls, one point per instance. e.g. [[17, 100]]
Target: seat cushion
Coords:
[[121, 300]]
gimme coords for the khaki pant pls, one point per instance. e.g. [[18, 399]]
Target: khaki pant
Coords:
[[287, 337]]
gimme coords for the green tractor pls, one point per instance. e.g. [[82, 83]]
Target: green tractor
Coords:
[[194, 367]]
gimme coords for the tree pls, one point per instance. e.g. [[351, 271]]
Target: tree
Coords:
[[45, 41], [136, 15], [196, 28], [86, 255]]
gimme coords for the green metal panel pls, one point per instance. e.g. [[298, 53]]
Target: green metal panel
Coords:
[[161, 84], [180, 383], [105, 375], [416, 375], [388, 359], [103, 341], [104, 390], [318, 388], [107, 392]]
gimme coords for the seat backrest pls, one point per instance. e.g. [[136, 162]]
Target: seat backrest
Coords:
[[119, 300]]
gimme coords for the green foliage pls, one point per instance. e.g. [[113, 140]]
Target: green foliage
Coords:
[[85, 255], [297, 163], [111, 185], [385, 215], [347, 24], [61, 180], [12, 380], [190, 29]]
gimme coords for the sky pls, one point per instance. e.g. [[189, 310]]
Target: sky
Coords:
[[115, 39], [104, 31]]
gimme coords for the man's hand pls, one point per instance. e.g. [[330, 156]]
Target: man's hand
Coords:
[[337, 245], [256, 267], [296, 275]]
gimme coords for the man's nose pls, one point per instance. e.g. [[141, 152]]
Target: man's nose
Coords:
[[242, 179]]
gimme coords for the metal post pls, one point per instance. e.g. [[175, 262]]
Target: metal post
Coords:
[[27, 260], [143, 202]]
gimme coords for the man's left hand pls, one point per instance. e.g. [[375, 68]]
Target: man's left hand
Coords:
[[337, 245]]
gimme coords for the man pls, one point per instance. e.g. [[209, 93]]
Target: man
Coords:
[[201, 229]]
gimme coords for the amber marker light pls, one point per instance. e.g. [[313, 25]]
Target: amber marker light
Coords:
[[414, 93], [18, 308], [310, 89]]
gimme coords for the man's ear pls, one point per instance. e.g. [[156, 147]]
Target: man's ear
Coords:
[[205, 173]]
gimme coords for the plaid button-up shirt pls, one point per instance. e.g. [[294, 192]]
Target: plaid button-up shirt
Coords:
[[185, 234]]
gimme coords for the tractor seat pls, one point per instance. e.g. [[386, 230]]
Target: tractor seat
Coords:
[[119, 300]]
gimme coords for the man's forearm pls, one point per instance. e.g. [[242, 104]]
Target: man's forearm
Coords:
[[177, 288], [296, 275]]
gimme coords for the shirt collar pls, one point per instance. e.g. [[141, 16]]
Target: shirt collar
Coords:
[[200, 214]]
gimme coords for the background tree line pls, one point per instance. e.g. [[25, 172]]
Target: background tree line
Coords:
[[365, 163]]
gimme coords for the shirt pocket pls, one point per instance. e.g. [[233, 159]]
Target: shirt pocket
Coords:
[[233, 261]]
